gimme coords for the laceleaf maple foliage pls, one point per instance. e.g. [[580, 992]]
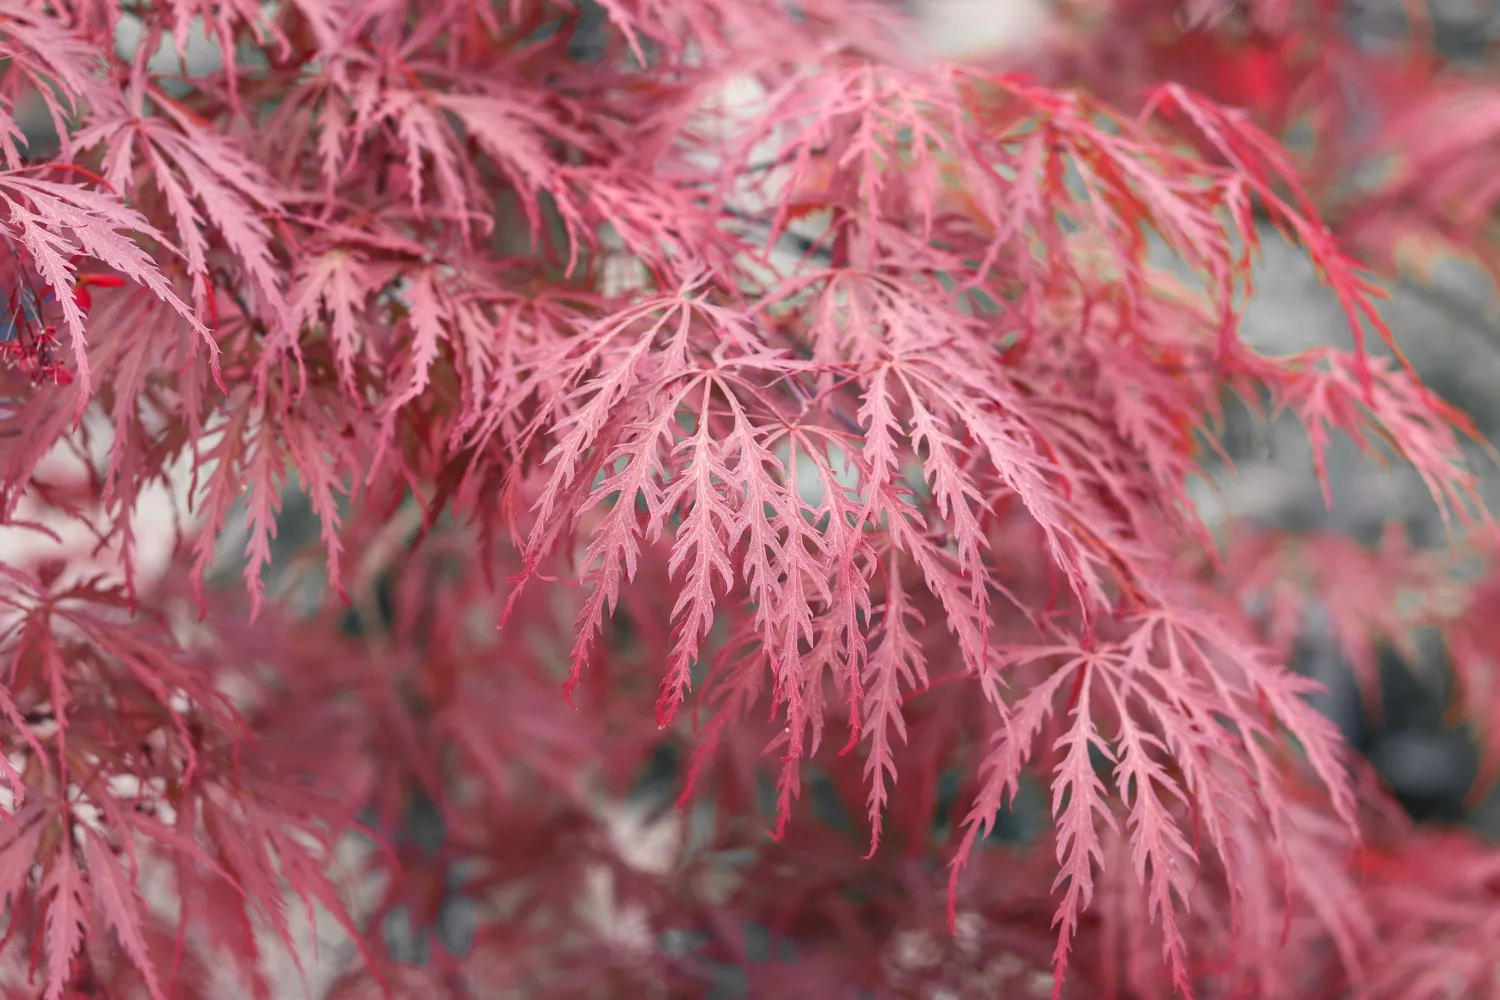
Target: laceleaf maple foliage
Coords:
[[705, 379]]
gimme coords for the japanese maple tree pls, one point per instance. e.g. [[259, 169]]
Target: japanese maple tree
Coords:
[[714, 389]]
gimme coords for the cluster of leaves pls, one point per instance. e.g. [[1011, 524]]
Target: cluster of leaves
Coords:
[[714, 355], [1392, 132]]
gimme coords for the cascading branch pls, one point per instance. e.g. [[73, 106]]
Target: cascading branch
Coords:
[[888, 428]]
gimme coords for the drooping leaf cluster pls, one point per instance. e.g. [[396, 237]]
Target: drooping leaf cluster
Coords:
[[711, 379]]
